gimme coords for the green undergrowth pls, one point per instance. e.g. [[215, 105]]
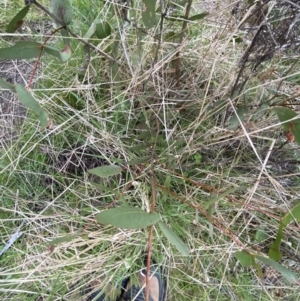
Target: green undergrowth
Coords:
[[210, 187]]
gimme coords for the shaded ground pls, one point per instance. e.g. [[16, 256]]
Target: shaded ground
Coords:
[[12, 112]]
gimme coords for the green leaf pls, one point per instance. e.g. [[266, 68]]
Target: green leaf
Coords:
[[260, 235], [167, 184], [182, 2], [17, 20], [21, 50], [176, 18], [145, 135], [294, 214], [245, 258], [127, 218], [114, 67], [86, 61], [261, 111], [66, 238], [27, 99], [222, 195], [29, 102], [62, 10], [284, 115], [171, 36], [274, 250], [199, 16], [103, 30], [148, 13], [105, 171], [258, 269], [65, 36], [44, 119], [286, 273], [139, 160], [140, 147], [241, 113], [62, 55], [174, 239], [90, 31], [4, 84]]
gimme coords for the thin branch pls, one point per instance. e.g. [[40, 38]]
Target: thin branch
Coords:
[[184, 27], [153, 202], [39, 58], [162, 18]]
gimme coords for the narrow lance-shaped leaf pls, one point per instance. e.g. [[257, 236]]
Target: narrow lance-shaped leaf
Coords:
[[91, 30], [105, 171], [245, 258], [222, 195], [274, 250], [21, 50], [241, 115], [127, 218], [294, 214], [17, 20], [62, 55], [66, 238], [140, 147], [29, 102], [174, 239], [286, 273], [175, 18], [199, 16], [4, 84], [114, 67], [65, 36], [139, 160]]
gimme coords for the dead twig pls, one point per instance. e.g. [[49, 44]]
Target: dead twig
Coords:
[[153, 202], [182, 34]]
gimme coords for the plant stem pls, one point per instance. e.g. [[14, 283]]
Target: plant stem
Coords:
[[153, 202], [74, 34], [182, 33]]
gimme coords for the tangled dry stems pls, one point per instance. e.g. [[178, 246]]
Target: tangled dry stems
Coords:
[[104, 129]]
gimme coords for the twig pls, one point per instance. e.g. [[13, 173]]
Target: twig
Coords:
[[162, 17], [216, 222], [153, 202], [217, 192], [39, 57], [184, 26]]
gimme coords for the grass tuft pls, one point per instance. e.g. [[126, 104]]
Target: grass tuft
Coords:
[[219, 186]]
